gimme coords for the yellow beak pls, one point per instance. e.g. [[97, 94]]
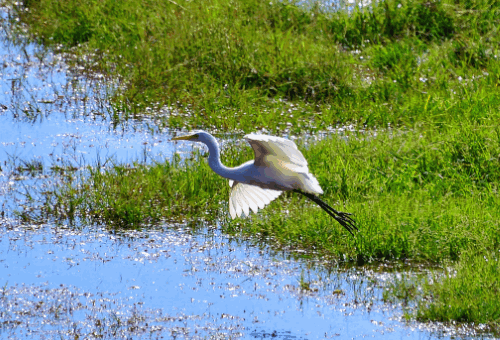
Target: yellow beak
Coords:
[[187, 137]]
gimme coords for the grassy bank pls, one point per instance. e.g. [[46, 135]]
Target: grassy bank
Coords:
[[423, 185], [468, 293], [227, 64]]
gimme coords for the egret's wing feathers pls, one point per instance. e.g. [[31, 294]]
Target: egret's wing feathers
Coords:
[[244, 197], [278, 162], [276, 150]]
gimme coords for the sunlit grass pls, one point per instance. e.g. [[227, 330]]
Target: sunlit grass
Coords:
[[470, 292], [467, 291], [426, 196], [415, 195], [227, 64]]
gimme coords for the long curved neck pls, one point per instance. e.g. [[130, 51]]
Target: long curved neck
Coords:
[[214, 160]]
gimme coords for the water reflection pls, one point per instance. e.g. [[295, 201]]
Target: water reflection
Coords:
[[169, 281], [49, 112]]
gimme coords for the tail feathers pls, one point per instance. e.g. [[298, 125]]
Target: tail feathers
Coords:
[[310, 184]]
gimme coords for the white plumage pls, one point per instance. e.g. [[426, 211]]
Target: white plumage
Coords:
[[278, 166], [244, 197]]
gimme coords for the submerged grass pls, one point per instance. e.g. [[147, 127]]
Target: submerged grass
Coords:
[[423, 186]]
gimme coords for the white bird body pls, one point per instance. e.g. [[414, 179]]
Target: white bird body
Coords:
[[278, 166], [275, 178]]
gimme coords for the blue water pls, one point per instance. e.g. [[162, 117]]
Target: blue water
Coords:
[[214, 284], [62, 282], [49, 114]]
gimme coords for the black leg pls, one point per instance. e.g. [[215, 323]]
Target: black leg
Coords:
[[341, 217]]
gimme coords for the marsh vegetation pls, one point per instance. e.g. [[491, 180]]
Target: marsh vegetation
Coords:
[[417, 81]]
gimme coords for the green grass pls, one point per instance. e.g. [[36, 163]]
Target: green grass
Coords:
[[421, 77], [415, 195], [134, 196], [426, 196], [228, 63], [468, 293]]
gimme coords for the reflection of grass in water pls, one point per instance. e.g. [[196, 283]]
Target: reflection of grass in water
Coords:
[[66, 312], [33, 167]]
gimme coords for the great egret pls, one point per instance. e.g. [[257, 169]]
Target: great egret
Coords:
[[278, 166]]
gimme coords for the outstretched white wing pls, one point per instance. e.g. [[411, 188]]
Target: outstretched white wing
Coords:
[[286, 162], [277, 152], [244, 197]]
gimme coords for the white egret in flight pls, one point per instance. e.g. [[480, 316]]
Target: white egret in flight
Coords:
[[278, 166]]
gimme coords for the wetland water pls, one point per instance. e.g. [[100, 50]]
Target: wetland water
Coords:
[[166, 282]]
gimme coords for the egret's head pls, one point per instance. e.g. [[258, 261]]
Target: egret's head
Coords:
[[195, 136]]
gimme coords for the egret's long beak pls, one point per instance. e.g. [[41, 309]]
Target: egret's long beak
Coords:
[[187, 137]]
